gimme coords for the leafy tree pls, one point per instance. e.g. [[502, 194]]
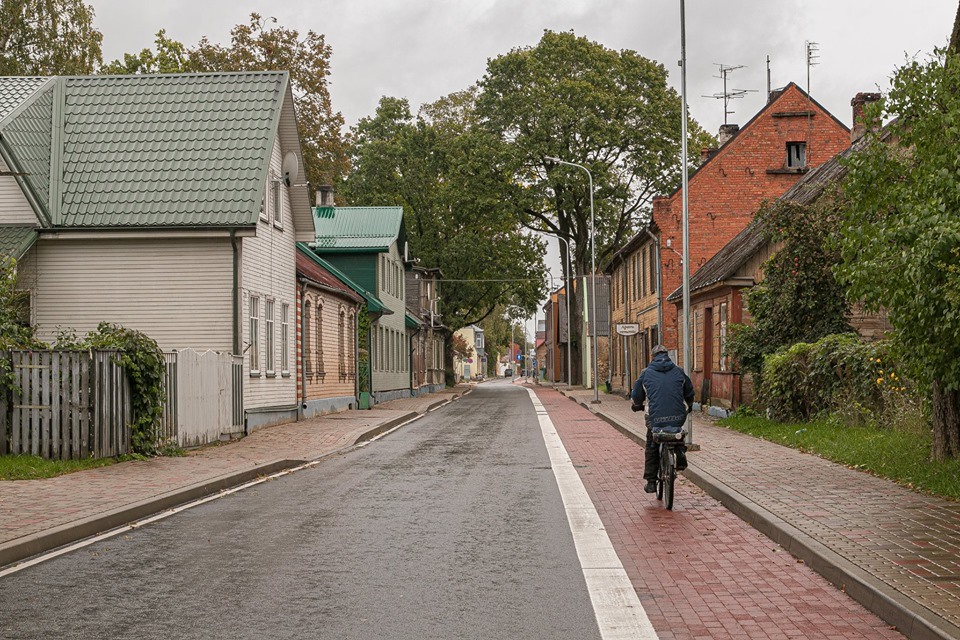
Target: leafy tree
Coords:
[[48, 37], [15, 330], [799, 299], [257, 47], [461, 350], [610, 111], [441, 169], [900, 234]]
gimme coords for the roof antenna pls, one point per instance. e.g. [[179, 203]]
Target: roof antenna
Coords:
[[769, 88], [813, 55], [728, 94]]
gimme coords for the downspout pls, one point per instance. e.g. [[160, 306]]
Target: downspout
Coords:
[[625, 368], [356, 354], [301, 370], [236, 292]]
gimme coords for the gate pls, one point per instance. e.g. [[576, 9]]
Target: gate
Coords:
[[204, 396]]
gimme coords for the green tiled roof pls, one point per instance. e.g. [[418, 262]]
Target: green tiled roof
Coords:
[[14, 91], [16, 239], [358, 228], [150, 150], [410, 321], [374, 305]]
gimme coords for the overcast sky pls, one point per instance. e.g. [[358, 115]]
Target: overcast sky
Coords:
[[423, 50]]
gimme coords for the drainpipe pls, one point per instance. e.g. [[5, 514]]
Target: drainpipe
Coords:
[[356, 354], [236, 292], [301, 370]]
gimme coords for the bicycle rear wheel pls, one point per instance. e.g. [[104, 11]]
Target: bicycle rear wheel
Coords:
[[668, 473]]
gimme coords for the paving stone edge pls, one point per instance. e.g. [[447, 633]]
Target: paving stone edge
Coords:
[[913, 620], [22, 548]]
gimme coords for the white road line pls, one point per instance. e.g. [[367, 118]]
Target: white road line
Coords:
[[620, 615]]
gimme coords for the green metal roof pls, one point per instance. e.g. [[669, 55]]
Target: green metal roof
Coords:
[[358, 229], [374, 305], [147, 150], [14, 91], [410, 321], [16, 239]]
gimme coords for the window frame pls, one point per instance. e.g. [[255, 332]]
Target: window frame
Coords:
[[801, 148], [270, 340], [253, 313], [321, 369], [285, 340]]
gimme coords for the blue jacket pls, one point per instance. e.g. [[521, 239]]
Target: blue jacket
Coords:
[[668, 390]]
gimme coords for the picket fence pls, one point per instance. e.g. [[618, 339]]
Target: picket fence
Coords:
[[65, 405]]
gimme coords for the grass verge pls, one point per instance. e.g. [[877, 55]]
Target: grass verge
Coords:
[[895, 455], [33, 467]]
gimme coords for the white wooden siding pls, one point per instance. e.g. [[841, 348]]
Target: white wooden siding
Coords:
[[176, 291], [269, 273], [14, 208]]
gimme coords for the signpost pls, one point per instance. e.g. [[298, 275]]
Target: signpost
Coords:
[[628, 328]]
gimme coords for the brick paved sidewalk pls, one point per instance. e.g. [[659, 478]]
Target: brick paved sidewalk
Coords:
[[700, 571], [38, 515], [894, 550]]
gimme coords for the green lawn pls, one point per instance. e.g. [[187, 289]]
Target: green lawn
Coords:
[[32, 467], [902, 457]]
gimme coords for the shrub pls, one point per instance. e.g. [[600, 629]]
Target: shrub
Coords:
[[857, 382]]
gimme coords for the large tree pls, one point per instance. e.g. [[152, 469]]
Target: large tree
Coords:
[[443, 171], [900, 237], [257, 46], [48, 37], [610, 111]]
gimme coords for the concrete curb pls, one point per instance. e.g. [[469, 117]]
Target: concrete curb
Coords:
[[22, 548], [43, 541], [913, 620]]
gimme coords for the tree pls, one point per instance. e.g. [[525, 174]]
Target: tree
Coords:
[[900, 234], [48, 37], [611, 111], [799, 299], [441, 169], [255, 47]]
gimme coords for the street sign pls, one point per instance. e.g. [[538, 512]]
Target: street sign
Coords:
[[628, 328]]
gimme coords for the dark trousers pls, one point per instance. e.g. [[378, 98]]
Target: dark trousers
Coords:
[[651, 458]]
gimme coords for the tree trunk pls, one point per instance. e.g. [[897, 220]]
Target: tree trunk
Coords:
[[576, 337], [946, 423]]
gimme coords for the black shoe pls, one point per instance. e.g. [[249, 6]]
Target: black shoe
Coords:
[[650, 487]]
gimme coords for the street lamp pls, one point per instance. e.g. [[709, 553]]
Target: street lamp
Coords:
[[567, 296], [687, 368], [593, 273]]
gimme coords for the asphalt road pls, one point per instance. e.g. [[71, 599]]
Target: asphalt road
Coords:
[[450, 527]]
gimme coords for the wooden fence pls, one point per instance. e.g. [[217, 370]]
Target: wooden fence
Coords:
[[204, 396], [65, 405]]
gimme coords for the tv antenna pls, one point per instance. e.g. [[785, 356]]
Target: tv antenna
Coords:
[[813, 55], [728, 94]]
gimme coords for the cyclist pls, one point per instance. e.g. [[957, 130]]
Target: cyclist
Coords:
[[670, 394]]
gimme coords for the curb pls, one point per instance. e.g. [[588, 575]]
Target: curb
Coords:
[[36, 543], [911, 619]]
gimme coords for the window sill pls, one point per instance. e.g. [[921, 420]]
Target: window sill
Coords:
[[788, 171], [254, 374], [284, 374], [271, 374]]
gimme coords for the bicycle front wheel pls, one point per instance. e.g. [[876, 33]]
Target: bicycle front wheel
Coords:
[[668, 471]]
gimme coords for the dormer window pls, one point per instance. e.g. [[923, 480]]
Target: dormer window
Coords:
[[796, 155]]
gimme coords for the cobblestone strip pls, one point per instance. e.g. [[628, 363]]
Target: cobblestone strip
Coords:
[[700, 571]]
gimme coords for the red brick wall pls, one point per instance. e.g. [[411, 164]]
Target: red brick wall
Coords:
[[727, 190]]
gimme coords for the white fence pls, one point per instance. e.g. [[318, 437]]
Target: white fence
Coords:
[[204, 396]]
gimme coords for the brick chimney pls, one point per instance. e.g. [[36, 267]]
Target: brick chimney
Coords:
[[325, 196], [706, 153], [858, 103], [727, 131]]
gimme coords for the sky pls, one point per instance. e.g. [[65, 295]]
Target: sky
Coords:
[[423, 50]]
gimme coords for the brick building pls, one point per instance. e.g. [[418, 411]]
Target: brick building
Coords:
[[759, 161]]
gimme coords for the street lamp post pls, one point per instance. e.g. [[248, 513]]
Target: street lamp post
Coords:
[[687, 364], [593, 274], [566, 286]]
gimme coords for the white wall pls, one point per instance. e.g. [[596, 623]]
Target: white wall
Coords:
[[14, 208]]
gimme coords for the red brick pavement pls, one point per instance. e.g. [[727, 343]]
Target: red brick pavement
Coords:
[[721, 579], [28, 508]]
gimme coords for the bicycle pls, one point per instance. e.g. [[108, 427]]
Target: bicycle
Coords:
[[667, 474]]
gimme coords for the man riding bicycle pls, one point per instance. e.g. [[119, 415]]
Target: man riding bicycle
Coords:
[[670, 394]]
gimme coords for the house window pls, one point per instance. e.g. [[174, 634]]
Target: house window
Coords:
[[723, 336], [285, 340], [381, 351], [652, 270], [641, 260], [269, 334], [696, 351], [254, 346], [308, 359], [351, 343], [796, 155], [321, 370], [276, 202], [342, 343]]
